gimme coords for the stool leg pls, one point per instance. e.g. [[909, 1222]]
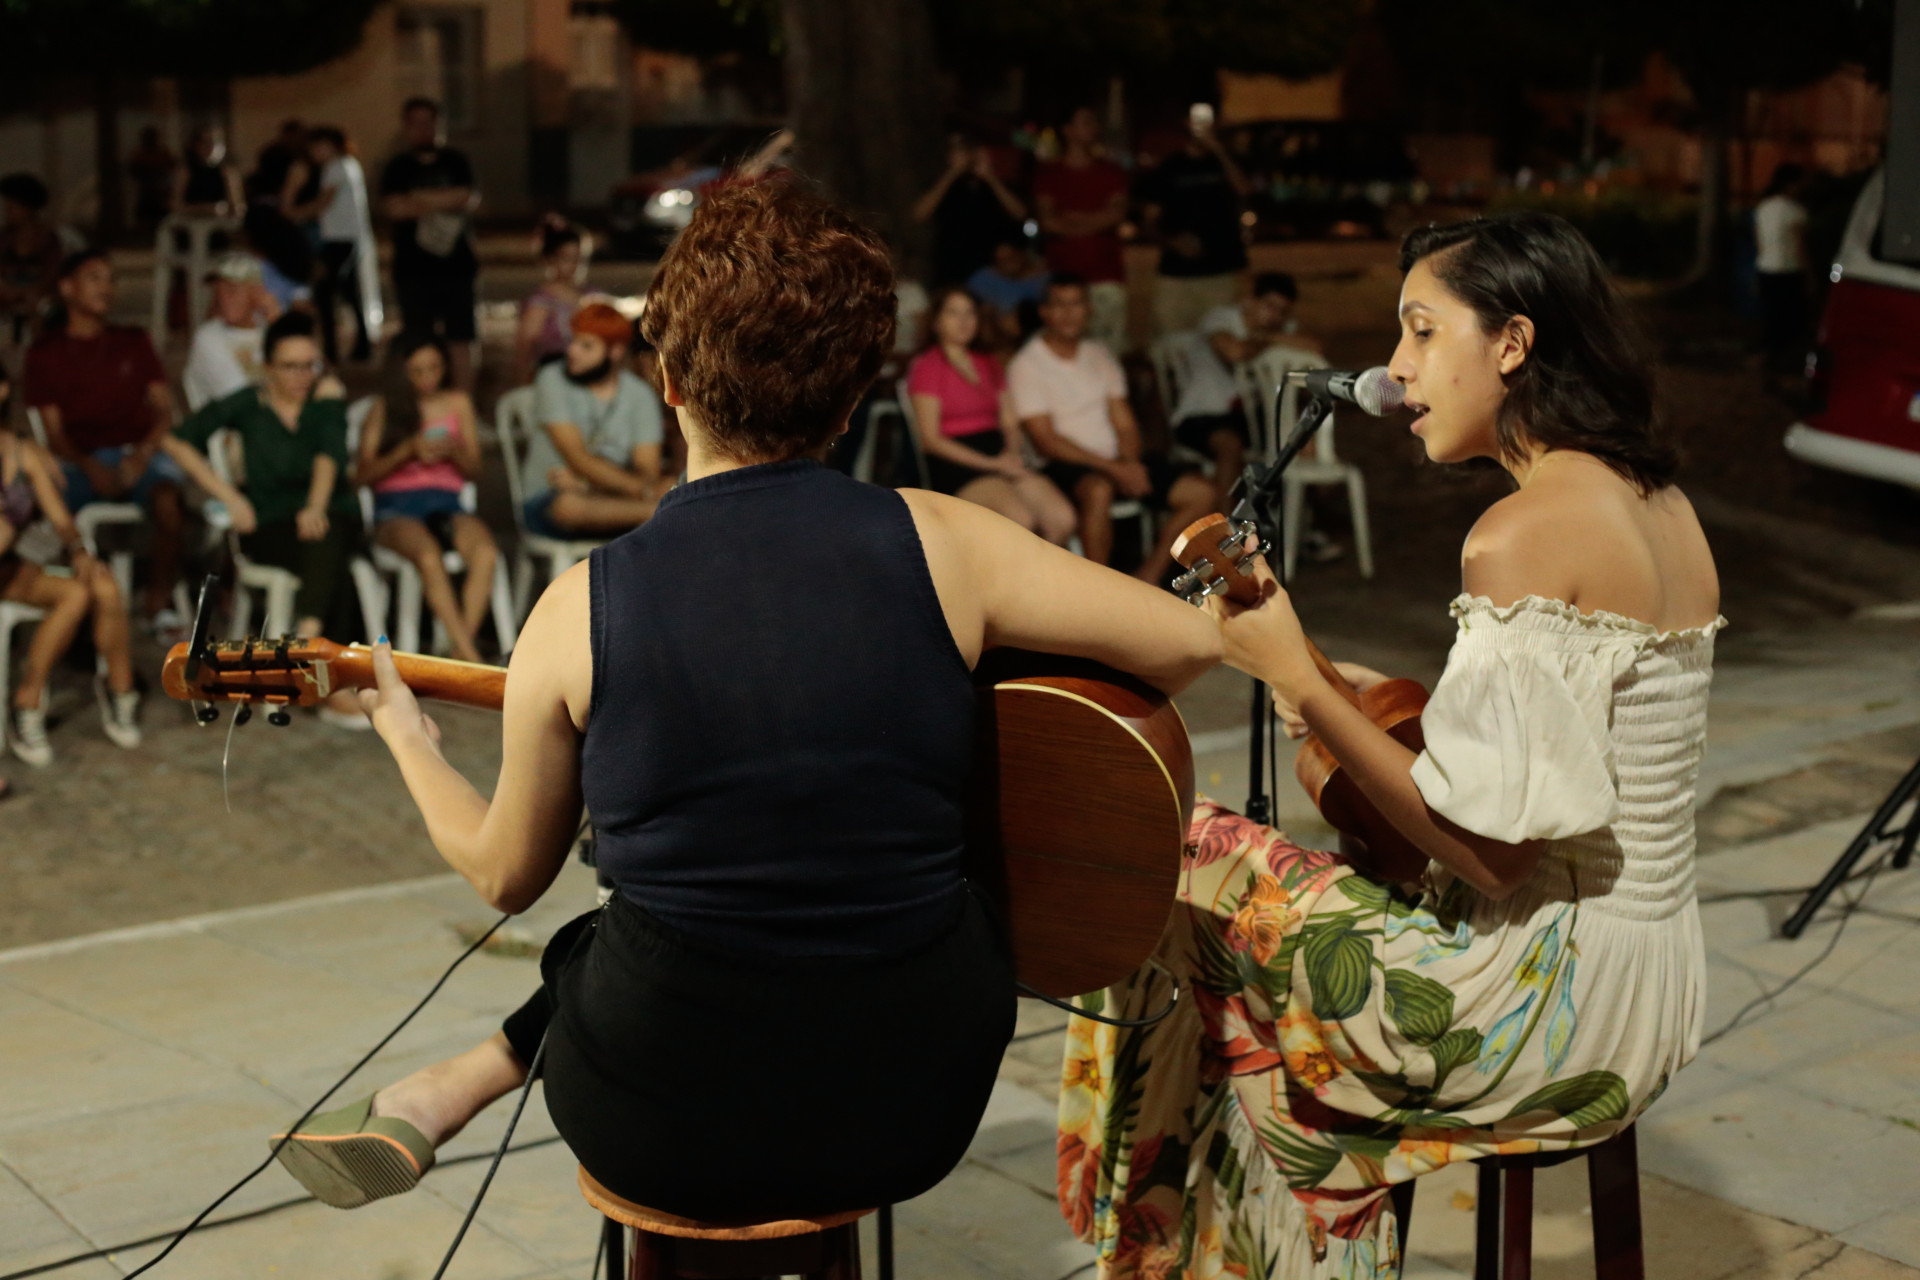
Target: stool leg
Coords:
[[843, 1254], [1516, 1210], [1613, 1187], [652, 1257], [613, 1249], [1486, 1221], [883, 1249]]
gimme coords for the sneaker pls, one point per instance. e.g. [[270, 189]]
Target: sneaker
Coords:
[[169, 624], [29, 737], [120, 717], [1319, 548]]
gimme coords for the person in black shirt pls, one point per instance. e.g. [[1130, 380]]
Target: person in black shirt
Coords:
[[1192, 206], [971, 211], [428, 193]]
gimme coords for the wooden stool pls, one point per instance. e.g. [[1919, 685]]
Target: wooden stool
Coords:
[[667, 1247], [1503, 1223]]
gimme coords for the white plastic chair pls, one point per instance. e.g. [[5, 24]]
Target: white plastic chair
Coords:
[[513, 418], [1267, 374], [90, 518], [11, 615], [1172, 357], [407, 593], [277, 586]]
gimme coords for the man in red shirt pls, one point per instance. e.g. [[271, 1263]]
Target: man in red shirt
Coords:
[[102, 397], [1082, 199]]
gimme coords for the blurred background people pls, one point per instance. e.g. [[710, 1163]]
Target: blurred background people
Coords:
[[208, 182], [428, 192], [1190, 204], [349, 267], [1082, 199], [970, 208], [30, 254], [151, 166], [546, 316], [1009, 288], [968, 429], [225, 355], [1780, 265], [282, 198], [419, 447]]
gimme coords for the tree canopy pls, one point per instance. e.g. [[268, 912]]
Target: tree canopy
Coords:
[[177, 37]]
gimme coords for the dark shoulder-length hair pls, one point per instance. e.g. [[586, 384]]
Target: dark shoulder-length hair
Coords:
[[402, 418], [1587, 381]]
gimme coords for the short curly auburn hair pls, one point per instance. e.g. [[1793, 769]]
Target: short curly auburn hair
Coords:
[[772, 313]]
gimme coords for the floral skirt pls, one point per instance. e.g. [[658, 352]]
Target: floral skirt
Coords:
[[1314, 1059]]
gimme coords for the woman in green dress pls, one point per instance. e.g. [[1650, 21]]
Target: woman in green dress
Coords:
[[297, 510]]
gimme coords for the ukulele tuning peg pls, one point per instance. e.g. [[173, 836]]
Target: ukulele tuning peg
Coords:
[[279, 718]]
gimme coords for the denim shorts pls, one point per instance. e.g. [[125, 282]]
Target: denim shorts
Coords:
[[538, 513], [418, 504], [160, 470]]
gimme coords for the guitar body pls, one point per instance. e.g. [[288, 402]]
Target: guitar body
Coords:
[[1082, 791], [1083, 786]]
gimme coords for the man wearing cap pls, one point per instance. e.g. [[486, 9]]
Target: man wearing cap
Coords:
[[593, 466], [226, 347], [103, 399]]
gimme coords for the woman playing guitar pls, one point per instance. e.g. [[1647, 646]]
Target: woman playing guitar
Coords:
[[763, 698], [1543, 981]]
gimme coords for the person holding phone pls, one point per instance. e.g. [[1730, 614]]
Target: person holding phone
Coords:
[[1192, 204]]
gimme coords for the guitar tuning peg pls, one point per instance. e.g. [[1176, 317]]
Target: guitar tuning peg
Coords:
[[207, 714], [279, 718], [244, 714]]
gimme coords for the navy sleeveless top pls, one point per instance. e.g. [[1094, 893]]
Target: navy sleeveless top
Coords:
[[777, 748]]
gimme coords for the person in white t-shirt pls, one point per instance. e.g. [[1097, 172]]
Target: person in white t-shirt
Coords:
[[349, 261], [1071, 398], [226, 348], [1780, 242]]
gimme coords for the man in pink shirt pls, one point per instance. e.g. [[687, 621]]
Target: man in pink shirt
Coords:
[[1082, 199], [1071, 398]]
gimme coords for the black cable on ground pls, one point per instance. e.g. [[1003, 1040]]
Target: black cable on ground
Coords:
[[272, 1155], [533, 1073], [263, 1211]]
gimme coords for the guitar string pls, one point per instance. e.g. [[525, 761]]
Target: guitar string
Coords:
[[226, 754]]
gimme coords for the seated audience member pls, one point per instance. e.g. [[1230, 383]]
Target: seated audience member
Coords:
[[102, 397], [546, 317], [968, 429], [1208, 417], [419, 447], [970, 209], [593, 465], [1071, 396], [226, 348], [30, 491], [1006, 286], [29, 254], [298, 511]]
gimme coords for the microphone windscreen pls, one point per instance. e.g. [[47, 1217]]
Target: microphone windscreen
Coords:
[[1377, 393]]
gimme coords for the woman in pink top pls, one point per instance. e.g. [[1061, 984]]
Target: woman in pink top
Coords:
[[418, 449], [967, 426]]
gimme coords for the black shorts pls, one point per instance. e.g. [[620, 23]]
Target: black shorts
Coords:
[[436, 302], [718, 1086], [1197, 432], [1162, 474], [951, 477]]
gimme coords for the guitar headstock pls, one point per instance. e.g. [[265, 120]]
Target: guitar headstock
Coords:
[[279, 673], [1216, 554]]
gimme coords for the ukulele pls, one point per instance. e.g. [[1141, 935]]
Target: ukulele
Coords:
[[1213, 549], [1082, 784]]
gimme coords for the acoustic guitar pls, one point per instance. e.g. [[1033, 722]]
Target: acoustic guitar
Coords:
[[1214, 551], [1082, 786]]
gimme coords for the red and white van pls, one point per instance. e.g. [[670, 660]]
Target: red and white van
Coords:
[[1864, 372]]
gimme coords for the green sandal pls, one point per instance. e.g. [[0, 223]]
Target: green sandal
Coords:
[[351, 1156]]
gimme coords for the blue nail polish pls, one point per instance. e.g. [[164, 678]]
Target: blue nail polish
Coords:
[[382, 639]]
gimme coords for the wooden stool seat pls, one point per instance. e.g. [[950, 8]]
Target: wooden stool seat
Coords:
[[669, 1247]]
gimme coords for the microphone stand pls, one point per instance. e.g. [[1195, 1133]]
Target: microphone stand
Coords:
[[1260, 499]]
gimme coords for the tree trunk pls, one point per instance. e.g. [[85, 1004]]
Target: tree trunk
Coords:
[[1710, 232], [863, 96], [109, 173]]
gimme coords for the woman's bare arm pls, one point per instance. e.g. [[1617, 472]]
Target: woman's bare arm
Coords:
[[512, 847], [1002, 586], [466, 453]]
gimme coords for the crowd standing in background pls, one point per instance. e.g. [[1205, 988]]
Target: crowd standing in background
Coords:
[[1082, 200], [1780, 264], [30, 254], [546, 317], [429, 194]]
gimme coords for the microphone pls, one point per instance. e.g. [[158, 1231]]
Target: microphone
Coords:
[[1374, 391]]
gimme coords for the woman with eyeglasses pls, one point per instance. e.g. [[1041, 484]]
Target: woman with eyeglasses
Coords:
[[297, 512]]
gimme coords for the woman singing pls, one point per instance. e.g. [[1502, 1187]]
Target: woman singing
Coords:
[[1543, 982], [763, 697]]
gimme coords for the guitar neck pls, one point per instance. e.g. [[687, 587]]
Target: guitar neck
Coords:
[[469, 684]]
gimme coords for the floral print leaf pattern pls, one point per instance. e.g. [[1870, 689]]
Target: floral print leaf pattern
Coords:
[[1454, 1049], [1562, 1021], [1594, 1097], [1506, 1037], [1339, 969], [1536, 967], [1419, 1006]]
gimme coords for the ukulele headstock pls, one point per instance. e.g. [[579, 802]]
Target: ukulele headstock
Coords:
[[279, 673], [1214, 550]]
